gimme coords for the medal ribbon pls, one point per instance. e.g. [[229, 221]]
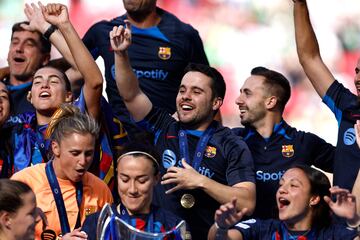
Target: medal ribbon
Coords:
[[42, 143], [55, 188], [200, 147], [133, 221]]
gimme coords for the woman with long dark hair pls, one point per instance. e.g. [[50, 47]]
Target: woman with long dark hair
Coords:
[[305, 210]]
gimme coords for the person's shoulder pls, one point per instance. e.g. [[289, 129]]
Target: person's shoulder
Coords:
[[167, 217], [226, 135], [266, 223], [337, 230], [170, 19], [301, 135], [30, 173], [239, 131], [104, 24]]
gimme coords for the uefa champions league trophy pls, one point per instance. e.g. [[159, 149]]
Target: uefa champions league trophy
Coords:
[[110, 225]]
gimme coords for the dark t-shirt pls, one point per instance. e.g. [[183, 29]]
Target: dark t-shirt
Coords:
[[158, 56], [274, 229], [18, 98], [346, 109], [226, 160], [273, 156]]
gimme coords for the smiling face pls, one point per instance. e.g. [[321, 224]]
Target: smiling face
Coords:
[[73, 155], [252, 101], [48, 91], [23, 221], [4, 103], [25, 56], [293, 197], [194, 102], [136, 181]]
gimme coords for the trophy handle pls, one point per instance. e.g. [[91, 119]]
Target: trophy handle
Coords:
[[103, 220]]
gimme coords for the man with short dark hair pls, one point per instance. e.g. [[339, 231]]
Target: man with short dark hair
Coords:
[[203, 163], [275, 146], [28, 52]]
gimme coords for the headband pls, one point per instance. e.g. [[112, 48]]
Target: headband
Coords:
[[139, 152]]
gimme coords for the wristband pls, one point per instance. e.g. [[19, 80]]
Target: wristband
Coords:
[[49, 31]]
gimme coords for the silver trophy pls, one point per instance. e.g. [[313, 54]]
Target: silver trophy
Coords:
[[125, 231]]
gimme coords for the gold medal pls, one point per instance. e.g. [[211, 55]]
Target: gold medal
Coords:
[[187, 200]]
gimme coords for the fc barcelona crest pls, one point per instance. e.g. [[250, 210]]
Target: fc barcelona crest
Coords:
[[210, 152], [164, 53], [287, 150]]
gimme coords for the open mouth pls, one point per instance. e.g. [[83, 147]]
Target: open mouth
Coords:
[[283, 202], [81, 171], [186, 107], [19, 59], [44, 95]]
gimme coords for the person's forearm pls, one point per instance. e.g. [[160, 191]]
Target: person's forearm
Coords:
[[223, 234], [306, 42], [246, 196], [59, 42], [308, 50], [82, 57], [127, 82]]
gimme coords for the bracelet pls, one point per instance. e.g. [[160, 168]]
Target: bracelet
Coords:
[[49, 31]]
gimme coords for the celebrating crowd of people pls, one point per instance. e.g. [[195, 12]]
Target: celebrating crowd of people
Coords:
[[157, 152]]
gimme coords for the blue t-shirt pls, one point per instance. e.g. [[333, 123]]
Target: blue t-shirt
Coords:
[[163, 221], [346, 108], [226, 160], [274, 155], [276, 230], [158, 56]]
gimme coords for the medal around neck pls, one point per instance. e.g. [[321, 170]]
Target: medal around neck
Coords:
[[187, 201]]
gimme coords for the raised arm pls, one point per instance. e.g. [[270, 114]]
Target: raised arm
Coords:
[[57, 14], [138, 104], [308, 50], [344, 205], [37, 22], [225, 217]]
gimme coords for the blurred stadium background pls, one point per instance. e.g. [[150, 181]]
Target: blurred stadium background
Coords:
[[239, 35]]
